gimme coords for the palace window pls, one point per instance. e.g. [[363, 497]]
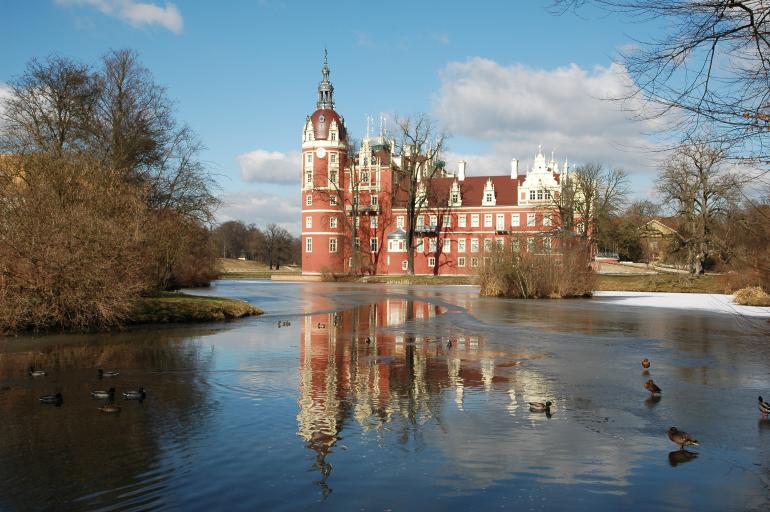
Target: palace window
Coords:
[[461, 245], [420, 245], [461, 261], [531, 195], [447, 245], [332, 245], [309, 178], [373, 244], [446, 221], [308, 199], [431, 262], [400, 221], [474, 262], [308, 222], [488, 197], [546, 219], [487, 245], [530, 219], [455, 197], [333, 158], [475, 220], [548, 194], [333, 135], [461, 221], [515, 220], [540, 194], [433, 221], [308, 158], [487, 220], [332, 222], [499, 244], [374, 200], [373, 223], [308, 244], [432, 245], [333, 200], [404, 265], [474, 245], [333, 177], [500, 222]]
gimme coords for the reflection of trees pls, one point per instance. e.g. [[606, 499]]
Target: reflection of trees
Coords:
[[52, 456]]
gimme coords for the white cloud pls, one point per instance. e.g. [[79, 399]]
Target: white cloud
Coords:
[[262, 166], [136, 13], [262, 209], [5, 93], [566, 109]]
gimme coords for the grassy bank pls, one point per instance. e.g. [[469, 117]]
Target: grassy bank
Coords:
[[177, 307], [230, 268], [677, 283]]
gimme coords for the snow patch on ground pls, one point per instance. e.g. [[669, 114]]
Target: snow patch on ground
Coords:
[[713, 302]]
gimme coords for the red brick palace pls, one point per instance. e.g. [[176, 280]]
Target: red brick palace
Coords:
[[463, 220]]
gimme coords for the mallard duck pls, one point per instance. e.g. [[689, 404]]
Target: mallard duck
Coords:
[[645, 363], [100, 393], [35, 373], [56, 399], [539, 406], [321, 326], [764, 407], [652, 387], [681, 438], [368, 340], [110, 373], [110, 408], [134, 395], [449, 344]]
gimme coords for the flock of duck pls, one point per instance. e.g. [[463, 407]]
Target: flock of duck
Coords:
[[99, 394], [679, 437]]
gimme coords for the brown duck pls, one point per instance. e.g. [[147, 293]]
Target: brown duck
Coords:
[[645, 363], [652, 387], [764, 407], [681, 438]]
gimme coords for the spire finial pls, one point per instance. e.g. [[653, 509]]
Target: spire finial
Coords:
[[325, 88]]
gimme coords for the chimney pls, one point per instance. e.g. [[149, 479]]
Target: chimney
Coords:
[[461, 170], [514, 168]]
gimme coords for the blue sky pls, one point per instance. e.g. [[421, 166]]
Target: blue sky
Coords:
[[502, 77]]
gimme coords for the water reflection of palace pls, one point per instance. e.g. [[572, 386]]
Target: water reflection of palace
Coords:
[[397, 377]]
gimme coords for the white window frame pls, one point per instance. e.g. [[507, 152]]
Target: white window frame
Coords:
[[516, 220], [474, 262], [308, 222], [487, 220], [309, 244], [309, 200], [546, 219], [446, 221], [333, 222], [531, 219], [333, 200], [487, 245], [461, 261], [461, 245], [373, 222], [474, 245], [432, 245], [500, 222], [431, 262], [404, 265], [474, 220], [447, 245], [332, 245], [461, 220]]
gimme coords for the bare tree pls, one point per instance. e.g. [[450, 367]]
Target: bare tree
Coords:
[[710, 69], [695, 185], [419, 145], [278, 244], [589, 197]]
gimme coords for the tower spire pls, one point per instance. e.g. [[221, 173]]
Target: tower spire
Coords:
[[325, 87]]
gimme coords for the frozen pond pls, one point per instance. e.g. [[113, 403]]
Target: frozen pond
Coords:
[[430, 414]]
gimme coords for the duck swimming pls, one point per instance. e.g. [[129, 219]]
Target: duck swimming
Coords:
[[100, 393], [368, 340], [764, 407], [56, 399], [135, 395], [110, 408], [681, 438], [645, 363], [36, 373], [652, 387], [539, 406], [110, 373]]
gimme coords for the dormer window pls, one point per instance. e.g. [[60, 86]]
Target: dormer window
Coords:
[[531, 195], [333, 136], [540, 194], [489, 194], [455, 197]]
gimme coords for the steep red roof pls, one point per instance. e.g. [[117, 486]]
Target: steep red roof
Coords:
[[471, 189]]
